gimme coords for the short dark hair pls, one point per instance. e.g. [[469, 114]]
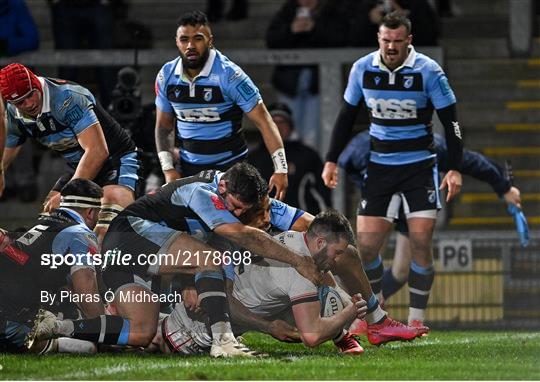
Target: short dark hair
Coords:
[[192, 18], [394, 20], [82, 187], [332, 226], [245, 183]]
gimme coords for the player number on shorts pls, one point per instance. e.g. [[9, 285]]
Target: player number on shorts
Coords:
[[455, 255]]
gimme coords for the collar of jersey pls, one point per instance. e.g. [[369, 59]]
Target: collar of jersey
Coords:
[[73, 214], [45, 107], [205, 72], [409, 61]]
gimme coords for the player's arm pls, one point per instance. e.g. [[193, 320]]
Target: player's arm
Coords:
[[92, 140], [340, 137], [302, 223], [241, 315], [259, 242], [263, 121], [314, 329], [454, 143], [165, 144], [85, 285]]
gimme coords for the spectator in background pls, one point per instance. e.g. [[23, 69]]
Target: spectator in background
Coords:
[[19, 34], [85, 24], [366, 16], [304, 24], [306, 189], [18, 31], [238, 11]]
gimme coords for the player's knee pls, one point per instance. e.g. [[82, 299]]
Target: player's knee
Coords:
[[310, 340]]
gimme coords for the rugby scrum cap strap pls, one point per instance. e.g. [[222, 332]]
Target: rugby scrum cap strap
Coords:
[[79, 201], [17, 81]]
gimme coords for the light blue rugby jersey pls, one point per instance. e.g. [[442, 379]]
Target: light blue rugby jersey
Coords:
[[208, 109], [400, 104], [68, 109]]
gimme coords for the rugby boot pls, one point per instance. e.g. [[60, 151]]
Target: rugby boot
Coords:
[[358, 327], [227, 346], [349, 345], [422, 329], [45, 327], [390, 330]]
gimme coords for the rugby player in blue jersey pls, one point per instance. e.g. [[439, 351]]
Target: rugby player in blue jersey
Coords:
[[354, 160], [27, 273], [203, 95], [66, 118], [400, 88]]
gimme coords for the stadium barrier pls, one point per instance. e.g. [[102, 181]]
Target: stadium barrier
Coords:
[[484, 279]]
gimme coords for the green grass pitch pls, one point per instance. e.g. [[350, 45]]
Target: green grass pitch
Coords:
[[441, 355]]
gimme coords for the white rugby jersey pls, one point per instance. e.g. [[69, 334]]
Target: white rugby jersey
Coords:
[[270, 287]]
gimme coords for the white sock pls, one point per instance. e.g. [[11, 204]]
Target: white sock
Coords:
[[64, 328], [375, 316], [220, 328], [416, 314], [73, 345]]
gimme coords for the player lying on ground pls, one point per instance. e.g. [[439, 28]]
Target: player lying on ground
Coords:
[[24, 279], [271, 293], [166, 223], [348, 266]]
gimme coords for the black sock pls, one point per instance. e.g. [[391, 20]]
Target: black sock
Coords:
[[390, 284], [110, 330], [374, 272], [213, 300]]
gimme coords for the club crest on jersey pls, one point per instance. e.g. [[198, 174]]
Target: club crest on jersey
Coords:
[[207, 94], [431, 196], [408, 81], [218, 202]]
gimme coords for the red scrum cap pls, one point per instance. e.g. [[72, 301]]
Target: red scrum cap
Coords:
[[17, 81]]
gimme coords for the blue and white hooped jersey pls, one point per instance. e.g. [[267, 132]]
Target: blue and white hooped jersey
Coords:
[[68, 109], [208, 109], [400, 104]]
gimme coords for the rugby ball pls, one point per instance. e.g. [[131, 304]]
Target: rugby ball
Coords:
[[331, 302]]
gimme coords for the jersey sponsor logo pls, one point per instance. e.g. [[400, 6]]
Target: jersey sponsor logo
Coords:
[[204, 114], [207, 94], [392, 108], [218, 202], [457, 131], [74, 115], [444, 85], [246, 90], [408, 81]]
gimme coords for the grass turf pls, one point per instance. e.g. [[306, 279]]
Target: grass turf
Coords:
[[441, 355]]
